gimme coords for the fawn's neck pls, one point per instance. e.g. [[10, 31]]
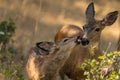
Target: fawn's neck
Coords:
[[55, 62]]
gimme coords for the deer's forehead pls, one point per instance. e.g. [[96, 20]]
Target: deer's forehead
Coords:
[[92, 25]]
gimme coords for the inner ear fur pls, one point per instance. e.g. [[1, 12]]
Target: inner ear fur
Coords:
[[110, 18]]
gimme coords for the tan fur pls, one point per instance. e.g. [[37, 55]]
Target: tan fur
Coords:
[[80, 53], [47, 67], [32, 68], [110, 37], [68, 31]]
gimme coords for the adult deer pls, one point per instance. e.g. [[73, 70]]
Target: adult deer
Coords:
[[46, 59], [92, 31]]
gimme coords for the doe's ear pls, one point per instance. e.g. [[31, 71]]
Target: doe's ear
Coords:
[[110, 18], [90, 12]]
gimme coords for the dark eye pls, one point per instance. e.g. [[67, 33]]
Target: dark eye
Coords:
[[83, 27], [97, 29], [65, 40]]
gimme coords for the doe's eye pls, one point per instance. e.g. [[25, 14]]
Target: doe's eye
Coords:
[[83, 27], [97, 29]]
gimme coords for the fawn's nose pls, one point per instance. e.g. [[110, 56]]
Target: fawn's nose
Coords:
[[78, 40], [84, 41]]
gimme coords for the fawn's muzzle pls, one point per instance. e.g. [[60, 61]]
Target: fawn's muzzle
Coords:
[[78, 40]]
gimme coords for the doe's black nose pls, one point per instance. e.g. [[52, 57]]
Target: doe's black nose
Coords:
[[84, 41]]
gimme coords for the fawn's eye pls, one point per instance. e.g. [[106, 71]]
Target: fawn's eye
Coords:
[[65, 40], [97, 29]]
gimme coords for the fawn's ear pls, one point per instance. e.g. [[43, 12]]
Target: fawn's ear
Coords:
[[46, 46], [110, 18], [90, 13]]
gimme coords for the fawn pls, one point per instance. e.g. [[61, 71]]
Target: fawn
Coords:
[[46, 59]]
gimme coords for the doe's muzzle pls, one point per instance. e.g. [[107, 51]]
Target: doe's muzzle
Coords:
[[84, 41]]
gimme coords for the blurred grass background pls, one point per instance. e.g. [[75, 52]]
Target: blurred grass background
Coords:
[[39, 20]]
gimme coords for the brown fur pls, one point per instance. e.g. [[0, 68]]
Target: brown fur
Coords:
[[80, 53], [68, 31], [47, 67]]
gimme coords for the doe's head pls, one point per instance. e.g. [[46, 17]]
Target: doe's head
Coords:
[[93, 28]]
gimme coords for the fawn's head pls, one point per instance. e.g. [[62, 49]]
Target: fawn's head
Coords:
[[68, 42], [93, 28], [46, 48]]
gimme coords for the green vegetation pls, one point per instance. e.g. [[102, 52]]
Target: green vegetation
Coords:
[[11, 64], [105, 68], [7, 30]]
